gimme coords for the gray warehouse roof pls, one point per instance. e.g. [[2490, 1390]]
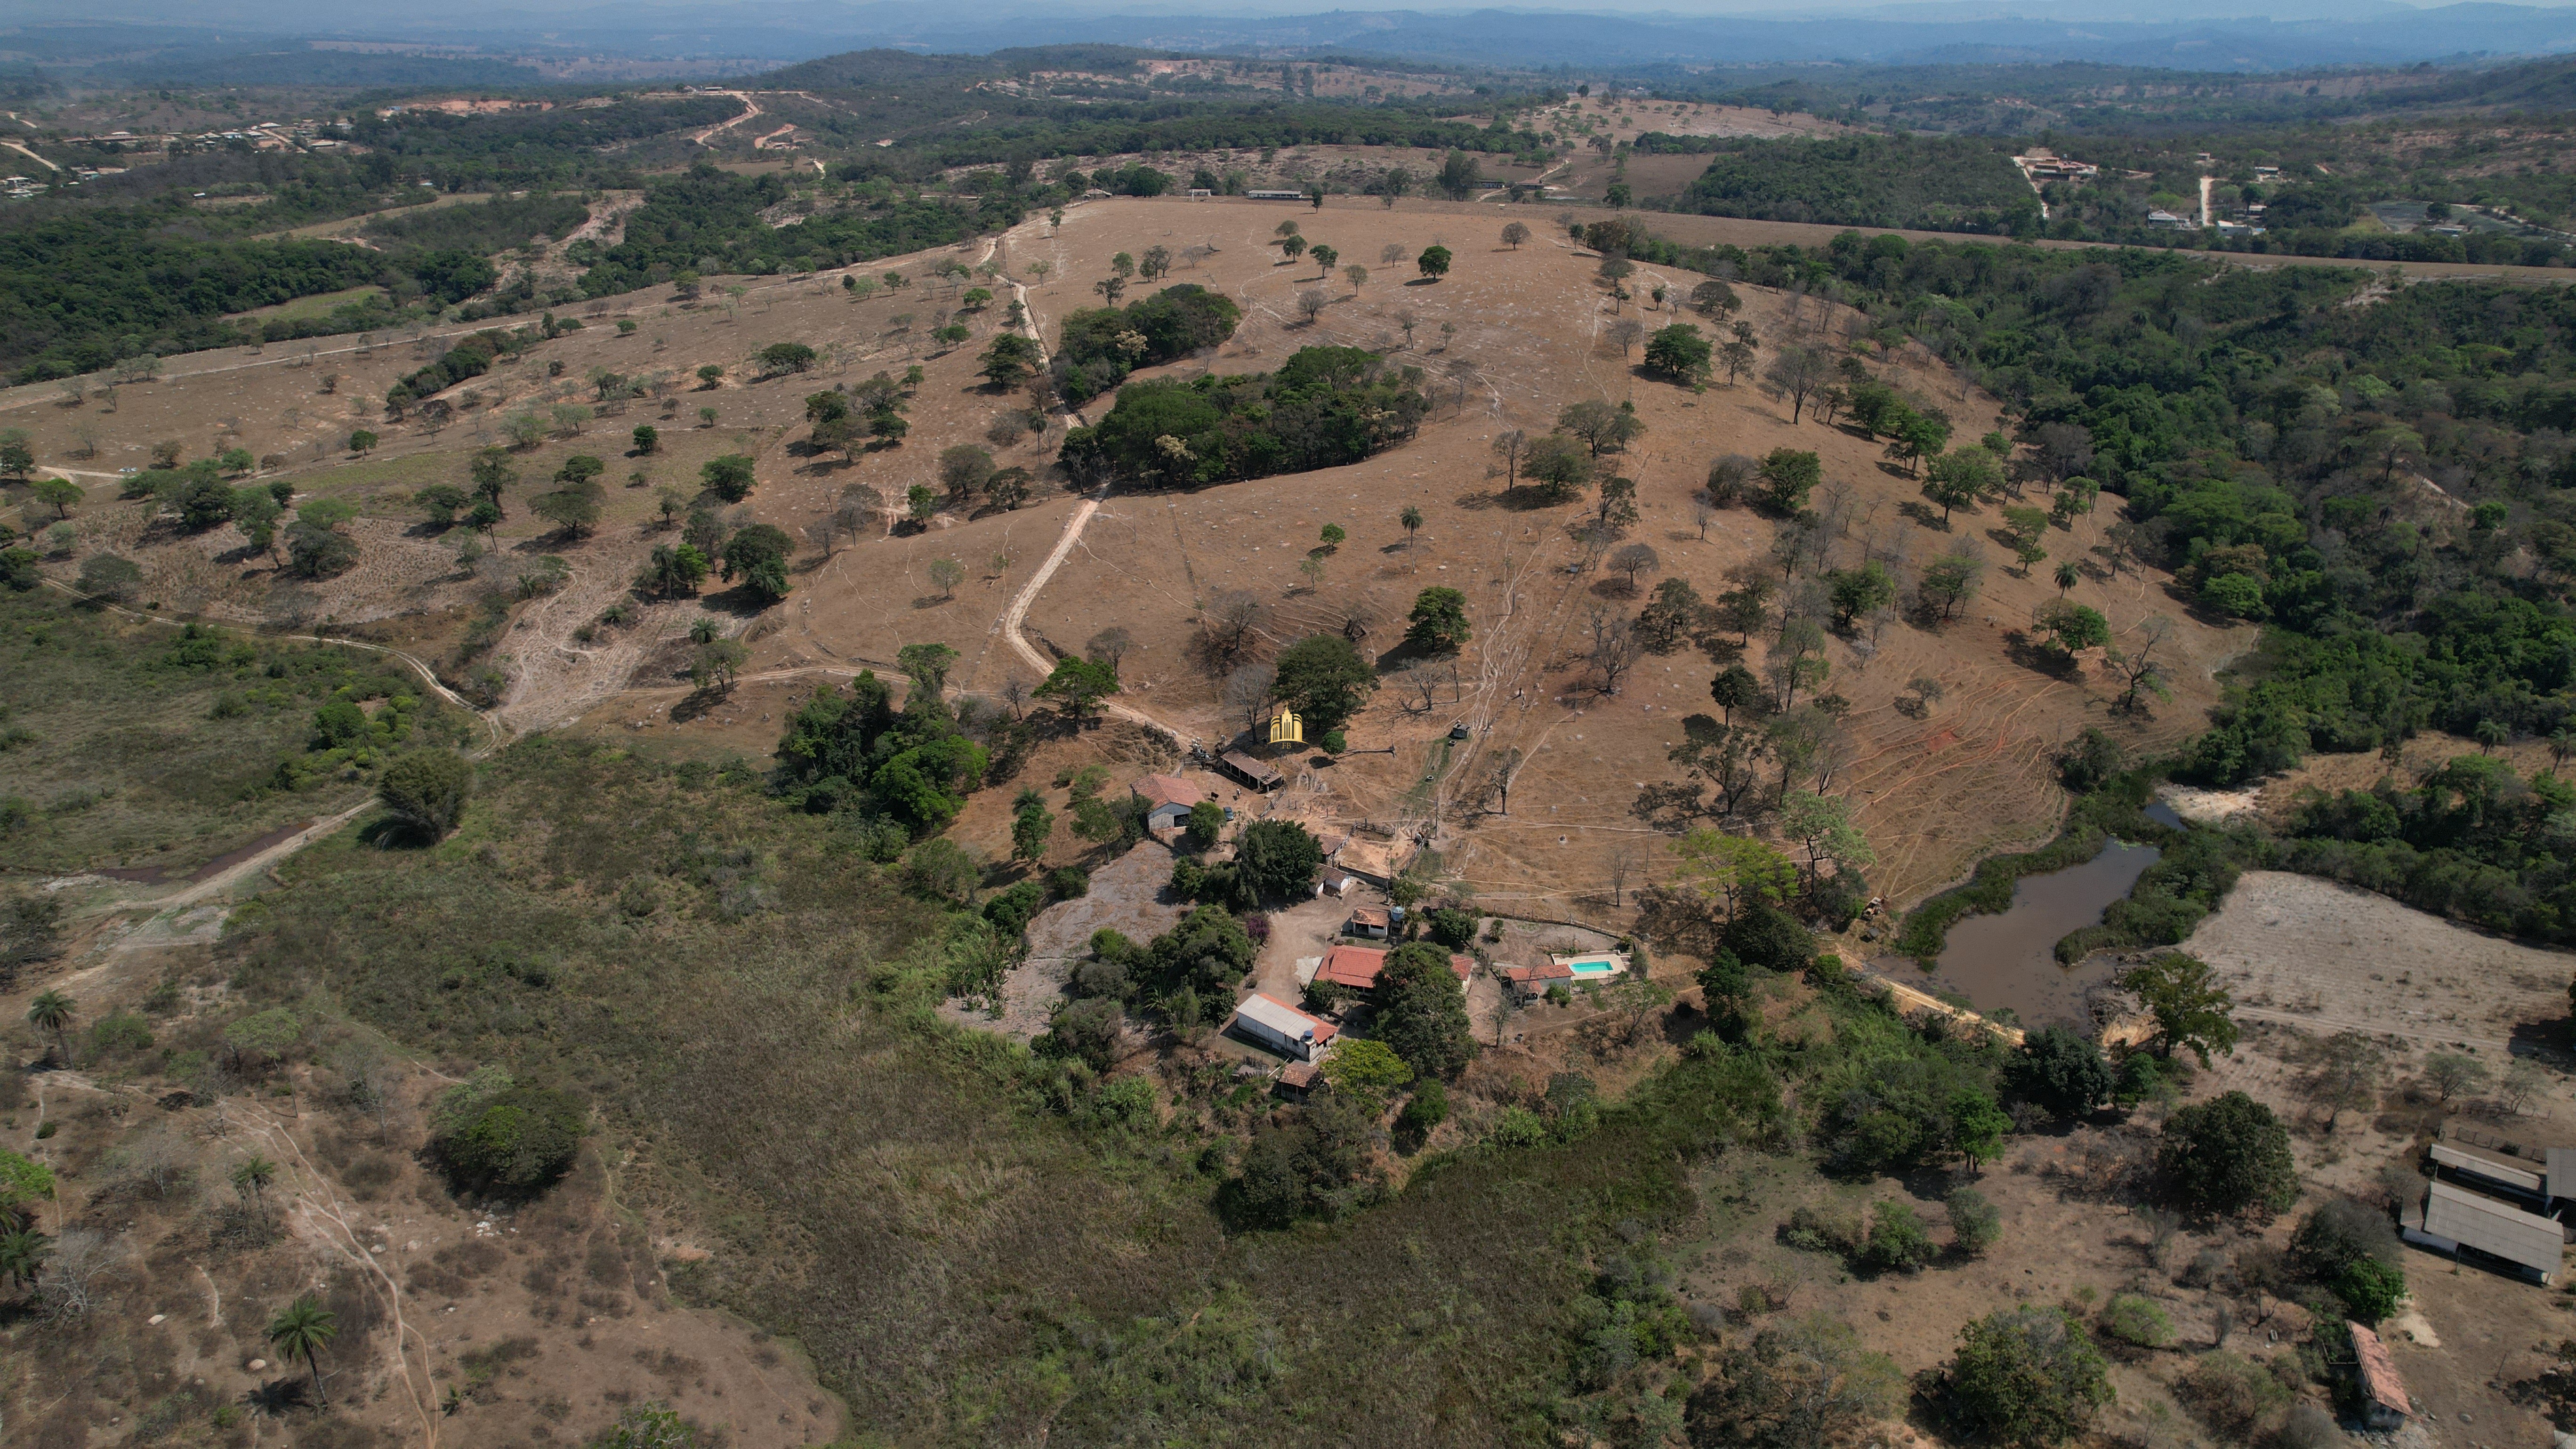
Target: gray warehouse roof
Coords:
[[2490, 1226]]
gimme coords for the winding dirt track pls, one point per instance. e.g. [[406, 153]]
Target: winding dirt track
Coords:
[[1017, 611]]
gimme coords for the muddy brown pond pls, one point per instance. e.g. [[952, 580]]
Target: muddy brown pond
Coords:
[[2009, 960]]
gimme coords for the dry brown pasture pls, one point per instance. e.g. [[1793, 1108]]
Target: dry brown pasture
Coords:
[[1506, 341]]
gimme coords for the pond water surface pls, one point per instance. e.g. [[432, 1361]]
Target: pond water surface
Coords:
[[2009, 960]]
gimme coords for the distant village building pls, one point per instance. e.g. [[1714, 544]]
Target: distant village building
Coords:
[[1275, 195], [1370, 921]]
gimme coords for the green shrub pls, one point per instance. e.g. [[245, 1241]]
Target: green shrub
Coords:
[[1520, 1127], [2370, 1288], [495, 1138], [1068, 883], [1452, 928], [1010, 910], [2136, 1321], [1817, 1231], [1974, 1223], [119, 1031], [1897, 1242], [1428, 1109], [2232, 1395]]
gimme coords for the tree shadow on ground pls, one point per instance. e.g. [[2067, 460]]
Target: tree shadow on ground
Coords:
[[2041, 658], [278, 1397]]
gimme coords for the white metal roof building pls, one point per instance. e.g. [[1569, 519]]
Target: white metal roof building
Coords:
[[2451, 1218], [1282, 1027]]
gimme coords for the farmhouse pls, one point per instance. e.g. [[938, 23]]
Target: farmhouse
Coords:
[[1358, 968], [1530, 982], [1168, 799], [1282, 1028]]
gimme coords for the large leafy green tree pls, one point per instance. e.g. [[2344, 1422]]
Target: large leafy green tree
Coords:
[[1078, 685], [2228, 1155], [1422, 1010], [496, 1137], [2190, 1007], [1323, 679], [1438, 623], [426, 790], [2062, 1071], [1680, 353], [759, 553], [1277, 859]]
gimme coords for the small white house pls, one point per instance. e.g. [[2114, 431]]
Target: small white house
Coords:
[[1168, 799], [1282, 1028]]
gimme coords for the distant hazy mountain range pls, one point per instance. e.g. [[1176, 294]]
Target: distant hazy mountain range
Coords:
[[2200, 35]]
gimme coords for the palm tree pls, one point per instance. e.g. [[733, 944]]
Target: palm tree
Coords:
[[2562, 743], [53, 1012], [1411, 518], [2491, 733], [301, 1330], [702, 630], [253, 1176], [22, 1255], [2066, 577]]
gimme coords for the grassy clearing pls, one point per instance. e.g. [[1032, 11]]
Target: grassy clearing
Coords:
[[747, 1000], [320, 304], [119, 746]]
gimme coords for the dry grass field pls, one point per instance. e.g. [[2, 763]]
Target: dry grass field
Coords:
[[1506, 341]]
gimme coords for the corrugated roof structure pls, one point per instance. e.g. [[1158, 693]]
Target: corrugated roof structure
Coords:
[[2380, 1385], [2473, 1220]]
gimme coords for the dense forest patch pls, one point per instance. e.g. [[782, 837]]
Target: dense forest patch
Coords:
[[1324, 407]]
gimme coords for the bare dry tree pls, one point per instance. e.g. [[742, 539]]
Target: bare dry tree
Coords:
[[1230, 623], [1247, 690], [1614, 645], [1422, 681]]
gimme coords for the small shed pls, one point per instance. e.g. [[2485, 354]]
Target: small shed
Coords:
[[1299, 1078], [2384, 1404], [2452, 1219], [1240, 766], [1168, 799], [1369, 921], [1282, 1028]]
